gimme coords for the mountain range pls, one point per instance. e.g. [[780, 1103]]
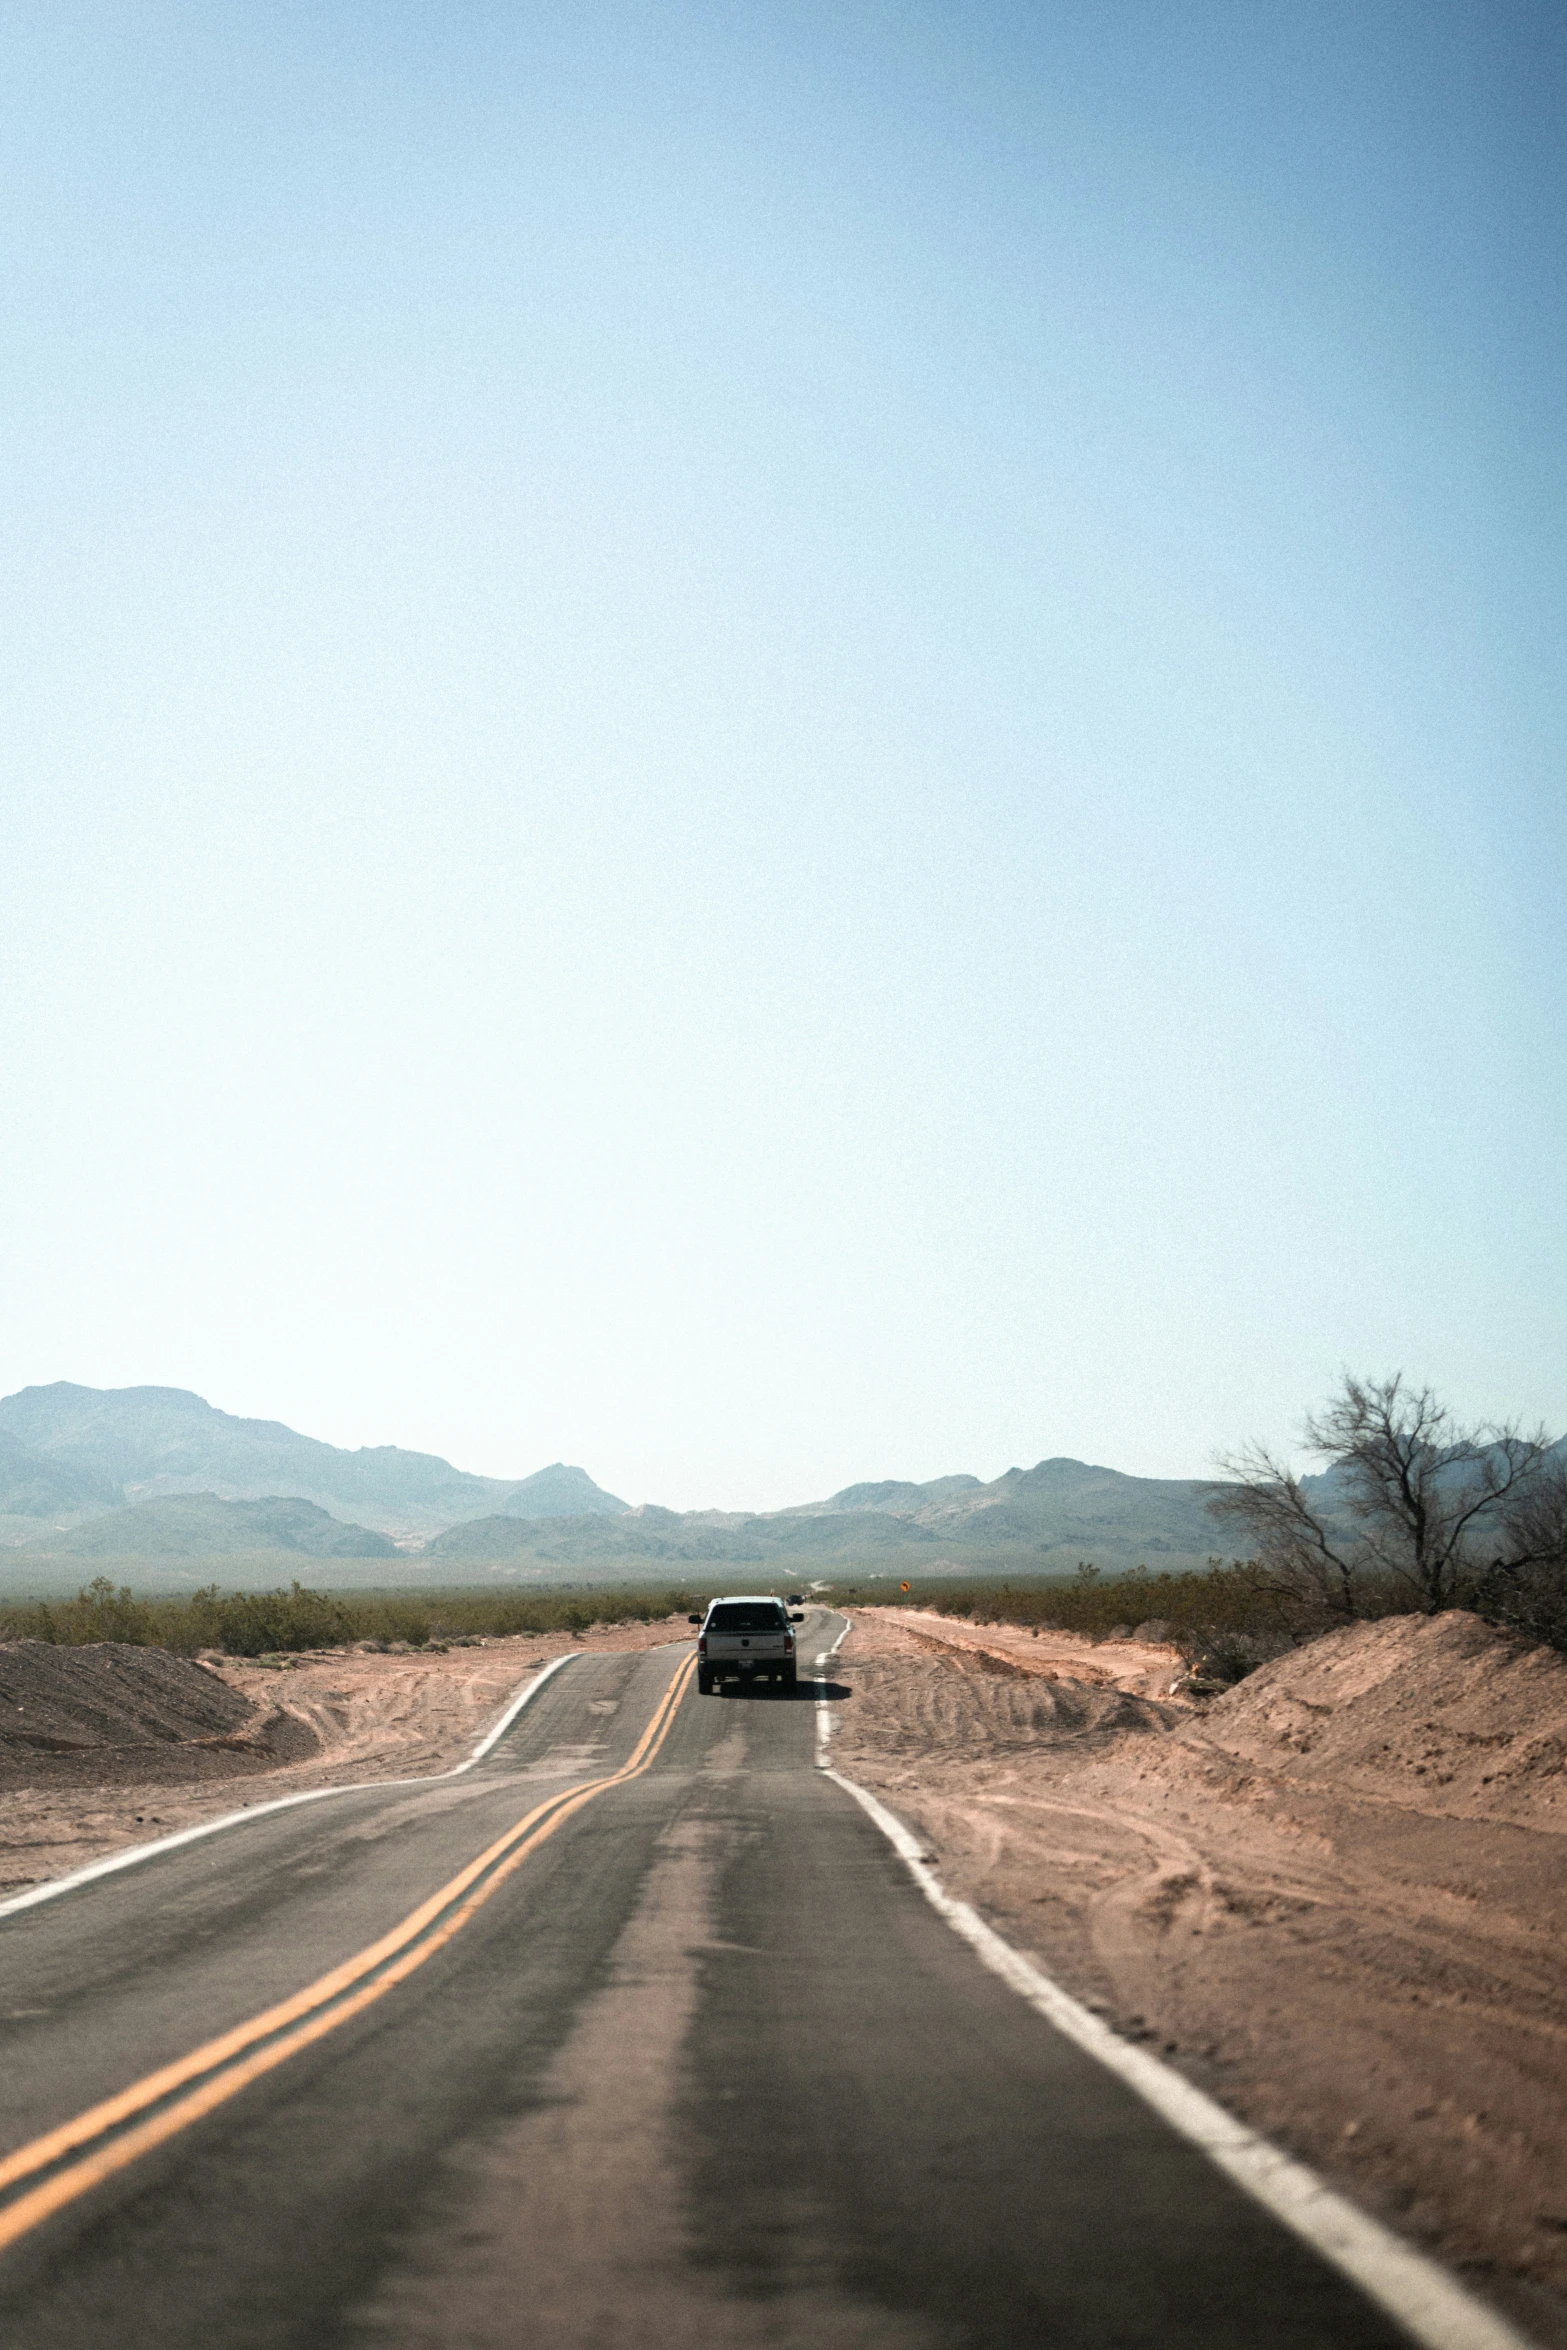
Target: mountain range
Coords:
[[155, 1472], [1047, 1517], [65, 1449]]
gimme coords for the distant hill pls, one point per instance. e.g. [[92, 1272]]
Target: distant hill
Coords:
[[559, 1492], [106, 1446], [893, 1494], [1059, 1504], [32, 1485], [200, 1525]]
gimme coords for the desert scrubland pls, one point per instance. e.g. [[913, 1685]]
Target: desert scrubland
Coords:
[[1335, 1896]]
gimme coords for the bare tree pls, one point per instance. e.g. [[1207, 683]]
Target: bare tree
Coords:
[[1426, 1491], [1298, 1560], [1526, 1585], [1436, 1508], [1536, 1519]]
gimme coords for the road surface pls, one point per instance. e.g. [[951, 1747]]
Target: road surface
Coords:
[[683, 2060]]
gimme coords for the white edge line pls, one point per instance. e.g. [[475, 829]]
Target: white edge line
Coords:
[[824, 1720], [136, 1853], [524, 1696], [1422, 2297]]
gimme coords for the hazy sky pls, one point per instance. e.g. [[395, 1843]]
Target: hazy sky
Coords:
[[765, 744]]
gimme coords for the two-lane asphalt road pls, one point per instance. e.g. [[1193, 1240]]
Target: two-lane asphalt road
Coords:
[[682, 2059]]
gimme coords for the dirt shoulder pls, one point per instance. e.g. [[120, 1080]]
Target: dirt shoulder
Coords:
[[1335, 1898], [130, 1754]]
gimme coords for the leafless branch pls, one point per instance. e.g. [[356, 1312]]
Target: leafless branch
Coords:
[[1293, 1549]]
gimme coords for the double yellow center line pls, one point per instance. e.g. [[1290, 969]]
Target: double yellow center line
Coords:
[[41, 2178]]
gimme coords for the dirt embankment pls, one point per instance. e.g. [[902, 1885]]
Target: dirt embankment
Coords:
[[1335, 1897], [104, 1746], [1147, 1668], [118, 1715]]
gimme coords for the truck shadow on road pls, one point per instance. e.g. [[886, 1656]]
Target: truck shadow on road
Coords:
[[803, 1692]]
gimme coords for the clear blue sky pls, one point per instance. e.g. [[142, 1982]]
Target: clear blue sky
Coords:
[[773, 744]]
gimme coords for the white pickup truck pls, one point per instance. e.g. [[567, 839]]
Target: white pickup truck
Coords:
[[745, 1640]]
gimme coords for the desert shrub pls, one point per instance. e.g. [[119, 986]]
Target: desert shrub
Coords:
[[101, 1611], [1212, 1598], [1218, 1659], [1530, 1599], [270, 1623], [1225, 1619], [261, 1623]]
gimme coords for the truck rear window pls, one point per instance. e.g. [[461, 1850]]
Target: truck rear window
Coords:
[[739, 1616]]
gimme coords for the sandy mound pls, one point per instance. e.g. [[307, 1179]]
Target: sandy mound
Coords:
[[1440, 1712], [114, 1714], [977, 1700]]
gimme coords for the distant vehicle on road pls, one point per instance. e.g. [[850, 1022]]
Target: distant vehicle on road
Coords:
[[747, 1639]]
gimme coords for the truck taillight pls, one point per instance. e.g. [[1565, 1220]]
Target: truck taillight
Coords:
[[701, 1646]]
